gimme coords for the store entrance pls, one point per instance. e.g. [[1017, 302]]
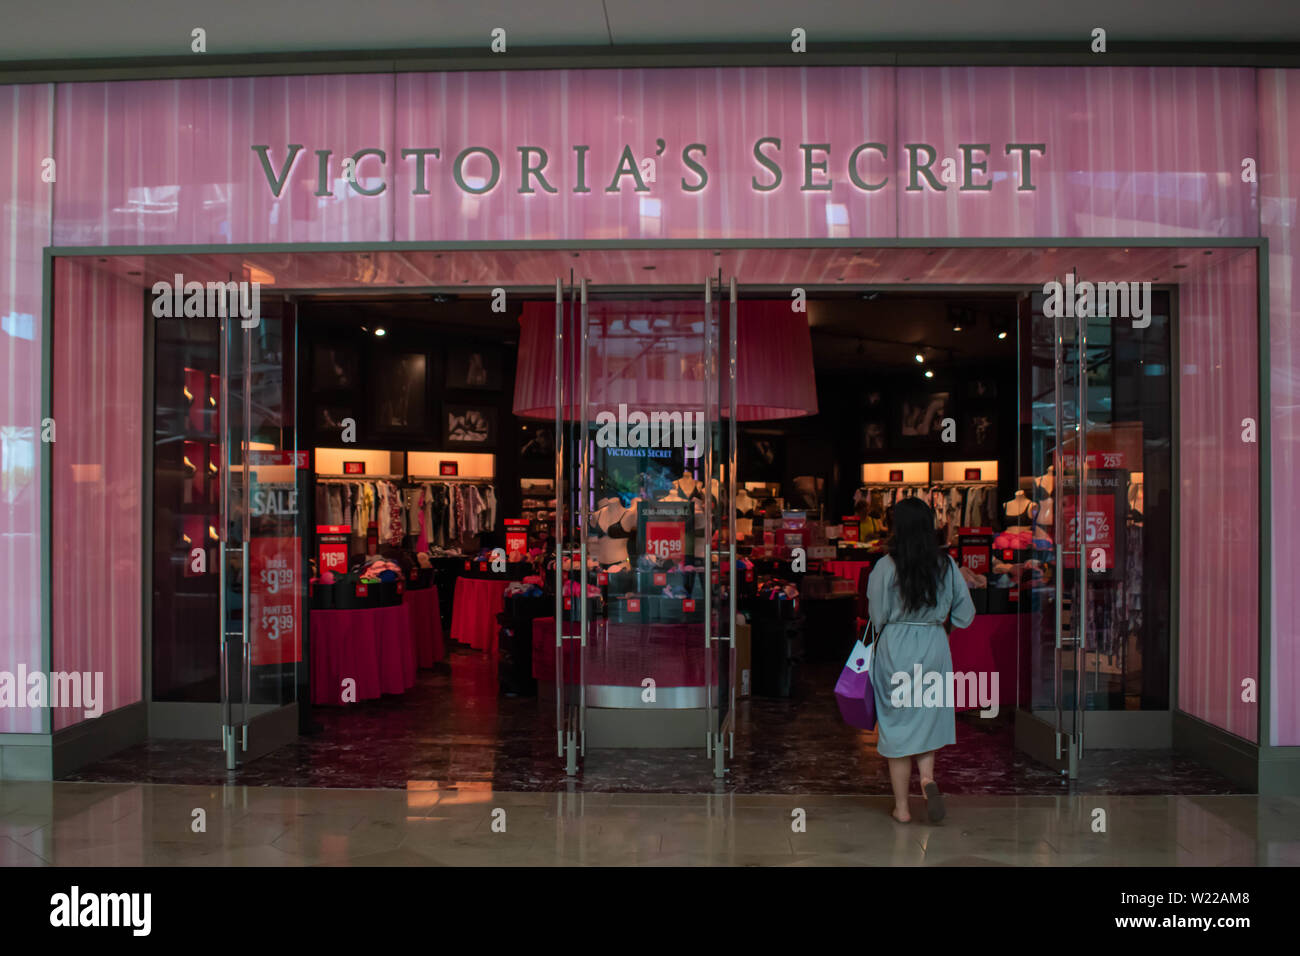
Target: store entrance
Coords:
[[470, 482]]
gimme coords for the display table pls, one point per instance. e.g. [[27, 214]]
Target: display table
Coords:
[[846, 569], [426, 625], [988, 645], [474, 612], [373, 646]]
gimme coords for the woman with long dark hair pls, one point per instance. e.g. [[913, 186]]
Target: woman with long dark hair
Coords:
[[912, 593]]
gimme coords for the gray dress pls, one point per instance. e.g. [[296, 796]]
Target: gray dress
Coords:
[[906, 639]]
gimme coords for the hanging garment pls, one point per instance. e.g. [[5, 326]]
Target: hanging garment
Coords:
[[422, 530], [490, 498], [954, 507], [439, 513], [396, 516]]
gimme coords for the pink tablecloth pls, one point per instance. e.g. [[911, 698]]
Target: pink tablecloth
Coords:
[[373, 646], [474, 611], [988, 645], [426, 625]]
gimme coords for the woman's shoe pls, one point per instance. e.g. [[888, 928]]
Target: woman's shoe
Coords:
[[934, 802]]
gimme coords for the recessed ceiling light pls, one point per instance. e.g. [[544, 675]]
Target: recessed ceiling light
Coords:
[[1002, 334], [957, 327], [929, 373], [381, 332], [919, 357]]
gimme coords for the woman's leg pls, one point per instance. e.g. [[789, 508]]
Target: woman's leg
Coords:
[[933, 798], [925, 767], [900, 776]]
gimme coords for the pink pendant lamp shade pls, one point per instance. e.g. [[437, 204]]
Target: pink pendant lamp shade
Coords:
[[650, 356]]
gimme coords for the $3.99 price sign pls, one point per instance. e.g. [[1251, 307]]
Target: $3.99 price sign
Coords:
[[665, 539]]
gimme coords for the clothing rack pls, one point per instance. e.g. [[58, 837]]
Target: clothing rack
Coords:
[[354, 478], [925, 484], [422, 479]]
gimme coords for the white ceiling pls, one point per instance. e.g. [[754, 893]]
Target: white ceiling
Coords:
[[75, 29]]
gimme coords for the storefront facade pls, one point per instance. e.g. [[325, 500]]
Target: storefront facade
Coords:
[[864, 171]]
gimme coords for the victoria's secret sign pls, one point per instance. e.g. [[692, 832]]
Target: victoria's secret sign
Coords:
[[530, 169]]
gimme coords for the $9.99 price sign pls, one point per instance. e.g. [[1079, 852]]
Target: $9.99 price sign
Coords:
[[275, 604], [665, 539]]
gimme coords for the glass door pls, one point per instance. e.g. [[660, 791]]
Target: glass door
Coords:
[[1052, 609], [1095, 459], [570, 546], [263, 475], [720, 629], [644, 619]]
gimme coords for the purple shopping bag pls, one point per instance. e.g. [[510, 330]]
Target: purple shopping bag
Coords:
[[853, 690]]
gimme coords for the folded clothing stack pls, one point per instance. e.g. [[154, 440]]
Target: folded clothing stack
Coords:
[[523, 588]]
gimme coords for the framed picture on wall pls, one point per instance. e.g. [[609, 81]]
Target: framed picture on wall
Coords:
[[469, 426], [537, 442], [760, 457], [334, 368], [473, 367], [921, 416], [979, 428], [399, 391], [331, 415], [874, 436]]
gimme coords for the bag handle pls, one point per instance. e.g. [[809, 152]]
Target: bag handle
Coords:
[[870, 630]]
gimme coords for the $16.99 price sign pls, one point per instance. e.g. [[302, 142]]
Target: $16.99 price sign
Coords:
[[665, 539]]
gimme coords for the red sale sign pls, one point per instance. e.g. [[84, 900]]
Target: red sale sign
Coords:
[[665, 539], [1098, 532], [334, 557], [275, 604]]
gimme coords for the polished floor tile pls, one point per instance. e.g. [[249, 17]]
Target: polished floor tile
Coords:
[[79, 824], [453, 731]]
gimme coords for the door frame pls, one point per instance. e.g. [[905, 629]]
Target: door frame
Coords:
[[1236, 756]]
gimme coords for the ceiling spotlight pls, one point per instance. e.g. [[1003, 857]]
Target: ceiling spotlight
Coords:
[[929, 373], [1002, 334], [956, 326], [919, 357], [381, 332]]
